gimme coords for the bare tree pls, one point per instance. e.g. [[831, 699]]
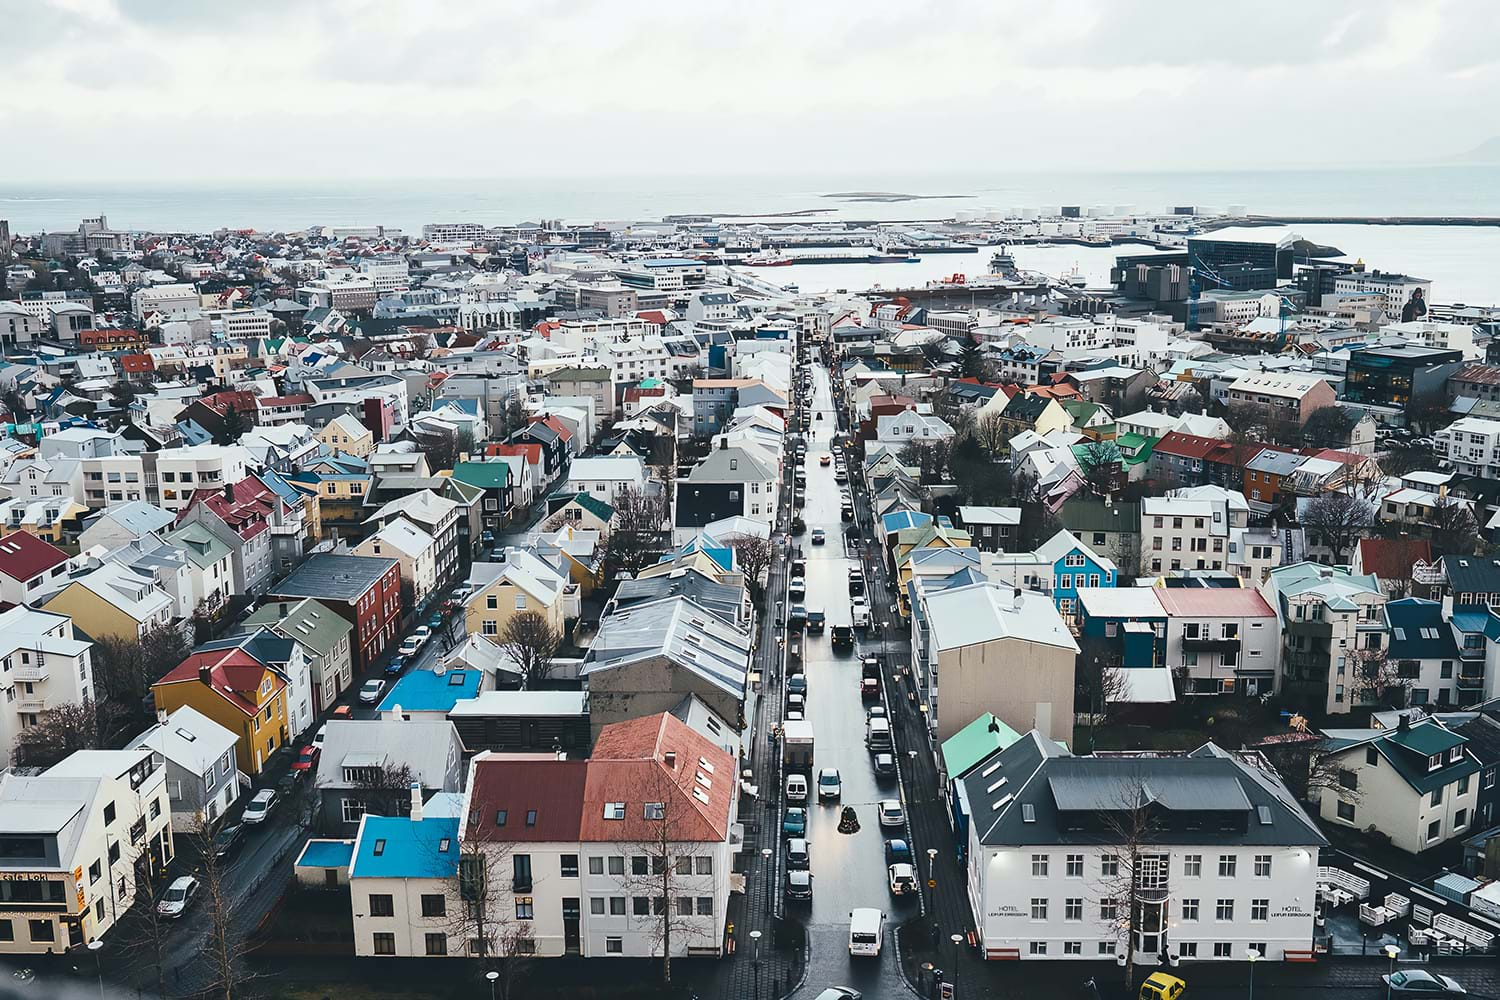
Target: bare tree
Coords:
[[1454, 530], [143, 931], [531, 641], [59, 732], [1137, 885], [640, 532], [754, 555], [386, 790], [1306, 771], [1383, 681], [1338, 520], [660, 876], [492, 934], [222, 957], [993, 434]]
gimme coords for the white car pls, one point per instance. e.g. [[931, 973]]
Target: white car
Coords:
[[260, 806], [797, 589], [177, 897], [796, 788], [830, 786], [371, 690], [859, 612], [891, 813], [421, 633], [409, 646], [903, 879]]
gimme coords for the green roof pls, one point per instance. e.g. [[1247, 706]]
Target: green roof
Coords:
[[1088, 514], [593, 505], [1125, 441], [1080, 409], [488, 475], [310, 622], [974, 742], [199, 544]]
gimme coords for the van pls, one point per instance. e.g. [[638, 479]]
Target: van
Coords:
[[796, 788], [866, 929], [878, 734]]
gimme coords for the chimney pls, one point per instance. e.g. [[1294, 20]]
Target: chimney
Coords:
[[723, 444], [205, 674], [416, 802], [228, 493], [671, 759], [1403, 722], [1016, 599]]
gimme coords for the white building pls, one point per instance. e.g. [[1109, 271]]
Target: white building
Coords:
[[1470, 446], [180, 471], [42, 665], [1193, 528], [75, 836], [1395, 289], [605, 478], [165, 302], [410, 546], [1231, 863], [1221, 640]]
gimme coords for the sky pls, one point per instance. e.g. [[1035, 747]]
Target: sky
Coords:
[[159, 90]]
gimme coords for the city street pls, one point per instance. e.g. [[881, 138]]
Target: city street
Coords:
[[848, 870]]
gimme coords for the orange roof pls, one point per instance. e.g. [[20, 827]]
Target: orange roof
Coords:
[[232, 672]]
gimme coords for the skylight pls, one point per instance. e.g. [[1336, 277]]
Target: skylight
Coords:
[[1028, 813], [500, 816], [1264, 813], [655, 810], [531, 817], [379, 847], [443, 845], [1002, 803], [698, 794], [702, 779], [990, 770]]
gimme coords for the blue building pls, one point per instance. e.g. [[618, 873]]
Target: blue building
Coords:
[[1060, 566]]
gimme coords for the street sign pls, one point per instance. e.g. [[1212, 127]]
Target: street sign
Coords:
[[945, 991], [932, 883]]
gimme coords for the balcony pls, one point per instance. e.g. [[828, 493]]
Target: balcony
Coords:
[[34, 673], [30, 702], [1471, 681], [286, 530], [1205, 643]]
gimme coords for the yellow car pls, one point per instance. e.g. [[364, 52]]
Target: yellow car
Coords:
[[1160, 986]]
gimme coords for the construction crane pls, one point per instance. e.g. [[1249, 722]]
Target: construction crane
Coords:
[[1195, 289]]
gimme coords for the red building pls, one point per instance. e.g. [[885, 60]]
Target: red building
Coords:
[[365, 590]]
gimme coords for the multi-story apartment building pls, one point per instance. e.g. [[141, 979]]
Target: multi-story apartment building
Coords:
[[1281, 397], [182, 471], [364, 590], [77, 839], [1470, 446], [440, 518], [165, 302], [1230, 864], [1220, 640], [1395, 290], [43, 665], [1192, 529], [1333, 627]]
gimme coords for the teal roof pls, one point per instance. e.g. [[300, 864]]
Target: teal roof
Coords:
[[326, 854], [593, 505], [898, 520], [430, 691], [313, 624], [400, 847], [974, 742], [488, 475]]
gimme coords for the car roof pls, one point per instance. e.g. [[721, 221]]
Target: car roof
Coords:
[[182, 882], [796, 844], [264, 793]]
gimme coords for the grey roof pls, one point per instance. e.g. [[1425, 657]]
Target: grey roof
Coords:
[[429, 747], [723, 599], [1035, 793], [326, 576], [680, 630], [316, 626], [136, 516], [1472, 574]]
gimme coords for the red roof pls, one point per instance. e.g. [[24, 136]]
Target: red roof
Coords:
[[23, 556], [653, 316], [531, 452], [233, 674], [136, 364], [295, 399], [1186, 445], [1214, 602], [654, 759], [236, 399], [248, 513], [558, 426], [1342, 457], [635, 393], [1392, 558]]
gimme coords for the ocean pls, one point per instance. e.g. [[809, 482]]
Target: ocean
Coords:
[[1459, 260]]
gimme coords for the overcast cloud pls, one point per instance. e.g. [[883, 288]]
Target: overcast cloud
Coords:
[[322, 89]]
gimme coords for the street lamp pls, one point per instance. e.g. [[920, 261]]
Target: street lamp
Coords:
[[96, 946], [932, 877], [1253, 954], [492, 975], [755, 960], [1391, 951], [765, 854], [957, 939]]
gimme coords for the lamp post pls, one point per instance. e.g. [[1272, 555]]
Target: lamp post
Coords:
[[492, 976], [932, 877], [765, 855], [755, 960], [96, 946], [1253, 954], [1391, 951], [957, 939]]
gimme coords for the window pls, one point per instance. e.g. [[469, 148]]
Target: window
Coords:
[[638, 864], [1106, 948], [640, 906], [569, 865], [617, 865], [1463, 786], [1189, 909], [1073, 909], [1346, 811], [1075, 866], [596, 906], [1434, 830], [596, 866], [1072, 947], [382, 905], [7, 931], [434, 905], [492, 602], [1262, 866], [1227, 863], [1192, 865], [1460, 819], [109, 813], [1109, 910], [614, 946], [1038, 908], [1436, 798], [705, 906], [1109, 866], [1260, 909], [1224, 909], [524, 909], [1039, 947], [385, 944], [437, 944], [1188, 949], [617, 906], [1039, 866]]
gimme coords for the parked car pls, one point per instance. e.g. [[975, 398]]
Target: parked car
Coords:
[[818, 536], [179, 894], [371, 690], [839, 993], [1420, 981], [797, 853], [409, 646], [794, 823], [874, 712], [859, 612], [395, 666], [856, 581], [897, 852], [320, 736], [799, 886], [797, 588], [796, 788], [890, 813], [307, 758], [903, 879], [227, 840], [435, 622], [797, 684], [260, 806], [830, 786]]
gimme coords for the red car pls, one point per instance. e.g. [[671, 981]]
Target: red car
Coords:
[[307, 758]]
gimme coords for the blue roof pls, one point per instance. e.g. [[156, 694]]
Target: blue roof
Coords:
[[1418, 631], [326, 854], [1470, 621], [400, 847], [899, 519], [429, 691]]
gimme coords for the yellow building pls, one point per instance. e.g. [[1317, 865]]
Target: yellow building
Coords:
[[113, 600], [43, 517], [343, 435], [521, 583], [239, 693]]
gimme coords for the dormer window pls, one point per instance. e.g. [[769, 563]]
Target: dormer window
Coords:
[[1434, 762], [1455, 755]]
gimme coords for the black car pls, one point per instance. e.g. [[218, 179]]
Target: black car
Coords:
[[796, 618], [799, 886], [856, 582], [816, 619], [228, 839], [843, 637]]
